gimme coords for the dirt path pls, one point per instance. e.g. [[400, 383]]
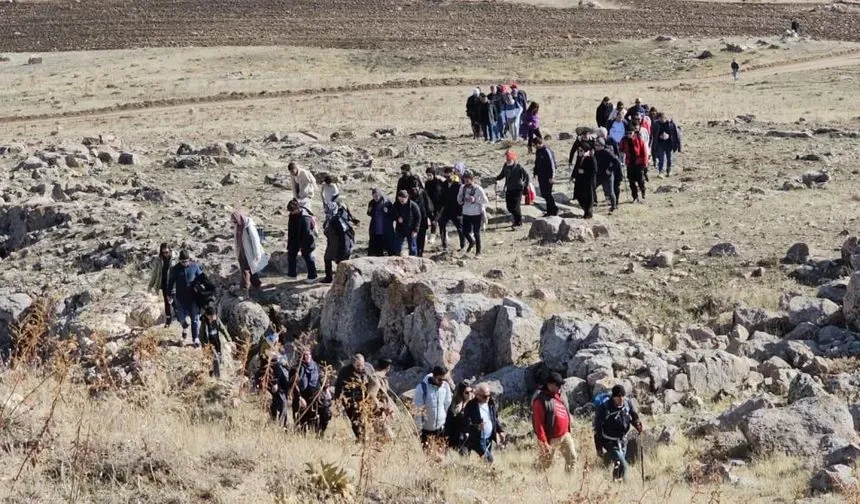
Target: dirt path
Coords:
[[834, 60]]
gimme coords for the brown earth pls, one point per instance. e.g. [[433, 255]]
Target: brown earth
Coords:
[[485, 26]]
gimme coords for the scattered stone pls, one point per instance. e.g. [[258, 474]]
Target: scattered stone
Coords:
[[705, 55], [127, 158], [818, 311], [808, 157], [664, 38], [34, 60], [836, 478], [788, 134], [662, 259], [723, 250], [797, 254], [815, 178], [230, 179]]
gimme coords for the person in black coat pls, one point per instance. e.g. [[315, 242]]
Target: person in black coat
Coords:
[[482, 417], [425, 205], [473, 112], [516, 180], [407, 179], [300, 238], [608, 167], [434, 186], [664, 141], [604, 112], [407, 221], [544, 172], [451, 210], [340, 236], [583, 177]]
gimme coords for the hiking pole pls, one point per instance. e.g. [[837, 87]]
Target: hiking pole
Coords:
[[642, 460]]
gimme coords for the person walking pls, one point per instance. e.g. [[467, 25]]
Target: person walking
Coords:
[[407, 221], [473, 200], [307, 395], [340, 236], [211, 332], [433, 397], [382, 404], [473, 112], [434, 186], [736, 70], [304, 184], [407, 179], [636, 158], [451, 211], [249, 251], [482, 417], [604, 112], [608, 167], [531, 124], [351, 388], [584, 175], [612, 422], [499, 108], [665, 140], [301, 237], [544, 172], [612, 147], [381, 232], [511, 111], [328, 191], [456, 425], [181, 284], [159, 278], [551, 423], [516, 180], [420, 197]]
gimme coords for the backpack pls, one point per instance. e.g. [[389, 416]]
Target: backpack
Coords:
[[600, 399]]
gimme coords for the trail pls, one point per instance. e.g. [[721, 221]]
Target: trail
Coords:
[[833, 60]]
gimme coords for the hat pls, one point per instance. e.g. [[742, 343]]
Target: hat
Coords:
[[511, 155], [556, 378], [618, 391], [402, 193], [583, 130], [460, 168], [183, 256]]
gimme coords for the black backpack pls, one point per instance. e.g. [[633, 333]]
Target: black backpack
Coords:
[[204, 291]]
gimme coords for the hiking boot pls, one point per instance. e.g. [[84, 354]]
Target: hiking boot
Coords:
[[311, 280], [182, 338], [470, 247], [326, 280], [660, 175]]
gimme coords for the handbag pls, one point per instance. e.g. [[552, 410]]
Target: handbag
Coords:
[[530, 194]]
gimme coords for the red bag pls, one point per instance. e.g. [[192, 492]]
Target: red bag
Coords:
[[530, 194]]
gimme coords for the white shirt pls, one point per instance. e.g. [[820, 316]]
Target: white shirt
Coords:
[[487, 431]]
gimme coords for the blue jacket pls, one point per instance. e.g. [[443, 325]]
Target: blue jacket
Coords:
[[617, 131], [308, 376], [182, 280]]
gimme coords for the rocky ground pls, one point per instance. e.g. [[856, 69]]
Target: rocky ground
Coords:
[[728, 304]]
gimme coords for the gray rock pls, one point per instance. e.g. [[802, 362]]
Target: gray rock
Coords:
[[834, 290], [662, 259], [851, 252], [846, 455], [788, 134], [803, 386], [576, 392], [851, 302], [837, 478], [732, 419], [560, 338], [815, 310], [815, 178], [758, 319], [716, 371], [545, 229], [507, 384], [128, 158], [797, 254], [244, 319], [831, 335], [610, 330], [723, 250], [516, 337], [771, 367], [798, 429], [12, 305], [803, 331]]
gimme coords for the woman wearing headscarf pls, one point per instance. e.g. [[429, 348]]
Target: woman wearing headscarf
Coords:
[[249, 250], [340, 236], [379, 209]]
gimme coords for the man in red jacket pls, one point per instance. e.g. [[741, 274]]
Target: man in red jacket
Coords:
[[636, 155], [551, 421]]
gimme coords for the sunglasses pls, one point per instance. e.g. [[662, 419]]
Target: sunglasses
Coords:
[[469, 391]]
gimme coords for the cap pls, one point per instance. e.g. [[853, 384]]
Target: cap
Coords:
[[183, 255], [511, 155], [618, 391], [556, 378]]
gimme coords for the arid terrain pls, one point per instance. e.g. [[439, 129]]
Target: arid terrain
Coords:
[[146, 122]]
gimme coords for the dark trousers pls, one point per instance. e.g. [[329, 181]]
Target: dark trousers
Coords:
[[616, 455], [636, 177], [378, 245], [618, 179], [278, 408], [477, 130], [421, 241], [443, 225], [546, 194], [248, 279], [316, 415], [608, 183], [487, 130], [513, 200], [472, 227], [661, 152], [533, 133], [355, 421], [168, 309], [292, 262]]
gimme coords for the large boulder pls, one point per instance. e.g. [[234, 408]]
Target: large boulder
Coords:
[[716, 371], [507, 384], [851, 302], [807, 309], [545, 229], [836, 478], [803, 386], [560, 338], [759, 319], [516, 335], [799, 428], [22, 225], [244, 319], [12, 305]]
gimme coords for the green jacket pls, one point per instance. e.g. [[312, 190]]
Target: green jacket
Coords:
[[156, 271]]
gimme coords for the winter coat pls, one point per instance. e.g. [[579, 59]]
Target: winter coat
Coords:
[[407, 217], [516, 178], [511, 111], [617, 130], [554, 424], [434, 190], [473, 109], [304, 185], [433, 403], [340, 236], [307, 376], [485, 114], [407, 182], [381, 220], [425, 205], [252, 247], [668, 129], [450, 205], [604, 112], [584, 177], [159, 274], [472, 191], [544, 164], [635, 150], [182, 280], [351, 386], [328, 193], [607, 164], [216, 327], [300, 232], [472, 414], [611, 422]]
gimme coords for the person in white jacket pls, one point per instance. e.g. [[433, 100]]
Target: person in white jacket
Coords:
[[304, 184], [249, 250], [474, 201], [432, 399]]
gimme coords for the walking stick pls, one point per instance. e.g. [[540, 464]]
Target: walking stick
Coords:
[[641, 460]]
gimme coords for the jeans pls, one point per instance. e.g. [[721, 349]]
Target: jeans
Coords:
[[608, 184], [487, 129], [659, 153], [636, 177], [513, 199], [292, 262], [192, 311], [278, 408], [500, 128], [476, 130], [443, 225], [472, 226], [616, 454], [735, 74], [546, 194], [410, 242], [486, 450]]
